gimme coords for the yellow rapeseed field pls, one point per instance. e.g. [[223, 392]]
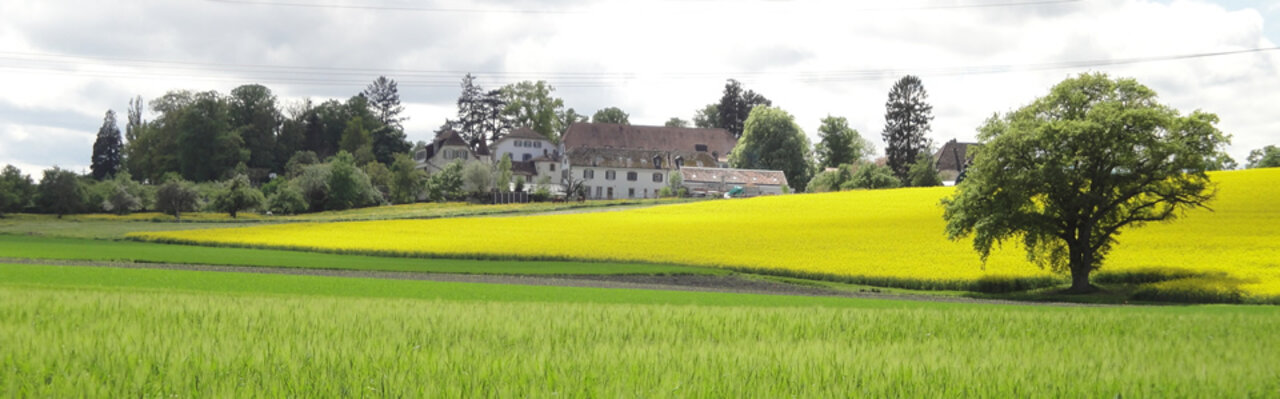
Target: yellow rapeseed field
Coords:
[[879, 235]]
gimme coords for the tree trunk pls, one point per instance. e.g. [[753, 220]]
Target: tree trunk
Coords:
[[1081, 263], [1080, 281]]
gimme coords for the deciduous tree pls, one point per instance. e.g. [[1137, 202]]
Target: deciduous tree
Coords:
[[61, 192], [1265, 157], [772, 140], [530, 104], [16, 190], [237, 194], [839, 144], [1066, 173], [176, 196], [611, 115]]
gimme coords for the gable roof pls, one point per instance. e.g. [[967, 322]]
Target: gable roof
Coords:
[[953, 155], [655, 138], [733, 176], [448, 137], [524, 133]]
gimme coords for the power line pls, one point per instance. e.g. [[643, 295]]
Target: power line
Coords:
[[1022, 3], [79, 65]]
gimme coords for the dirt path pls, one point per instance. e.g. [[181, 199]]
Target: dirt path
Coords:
[[702, 283]]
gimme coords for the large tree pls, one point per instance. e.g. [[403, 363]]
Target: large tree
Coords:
[[237, 194], [772, 140], [707, 117], [107, 149], [530, 104], [736, 105], [387, 136], [839, 144], [61, 192], [1265, 157], [208, 147], [256, 118], [676, 122], [1066, 173], [16, 190], [906, 121], [481, 120], [611, 115], [384, 98]]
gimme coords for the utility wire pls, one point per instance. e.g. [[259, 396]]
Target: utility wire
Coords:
[[111, 67], [1023, 3]]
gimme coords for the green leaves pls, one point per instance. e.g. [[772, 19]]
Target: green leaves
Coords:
[[1066, 173]]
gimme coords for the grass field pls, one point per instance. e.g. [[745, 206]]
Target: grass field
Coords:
[[123, 333], [889, 237], [39, 247]]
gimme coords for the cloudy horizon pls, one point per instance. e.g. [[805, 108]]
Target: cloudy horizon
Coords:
[[66, 64]]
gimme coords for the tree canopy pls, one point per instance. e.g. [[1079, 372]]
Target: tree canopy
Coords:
[[610, 115], [839, 144], [735, 107], [772, 140], [531, 104], [906, 121], [1265, 157], [1066, 173]]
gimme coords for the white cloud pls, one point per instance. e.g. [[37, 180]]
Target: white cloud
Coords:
[[655, 60]]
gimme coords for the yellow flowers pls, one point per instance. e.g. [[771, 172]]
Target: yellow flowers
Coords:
[[889, 236]]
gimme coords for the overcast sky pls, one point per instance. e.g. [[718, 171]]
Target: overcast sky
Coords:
[[64, 63]]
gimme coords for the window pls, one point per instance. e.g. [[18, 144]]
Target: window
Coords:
[[631, 176], [657, 177], [526, 157], [517, 143], [553, 167], [631, 193], [657, 162], [610, 175], [528, 178], [598, 192], [679, 162], [537, 144], [588, 174], [610, 192], [646, 193], [700, 147]]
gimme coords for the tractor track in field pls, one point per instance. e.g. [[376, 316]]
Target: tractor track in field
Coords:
[[701, 283]]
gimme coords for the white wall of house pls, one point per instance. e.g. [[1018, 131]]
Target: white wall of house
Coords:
[[445, 156], [522, 149], [614, 183]]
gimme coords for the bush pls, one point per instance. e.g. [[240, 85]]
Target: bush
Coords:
[[446, 185], [349, 187], [924, 172], [287, 200], [120, 201], [872, 176]]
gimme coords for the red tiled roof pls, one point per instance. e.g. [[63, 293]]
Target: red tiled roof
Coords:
[[654, 138]]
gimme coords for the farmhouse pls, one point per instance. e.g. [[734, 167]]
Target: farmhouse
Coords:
[[628, 161], [447, 147], [952, 158], [717, 181]]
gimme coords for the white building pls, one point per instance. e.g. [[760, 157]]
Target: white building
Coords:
[[446, 148], [627, 161]]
